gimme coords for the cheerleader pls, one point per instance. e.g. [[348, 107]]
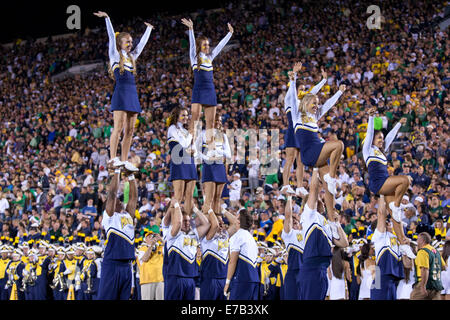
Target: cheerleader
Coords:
[[203, 92], [291, 144], [214, 174], [125, 101], [319, 235], [388, 258], [380, 183], [182, 240], [242, 281], [367, 271], [118, 222], [213, 269], [183, 172], [314, 152], [293, 239]]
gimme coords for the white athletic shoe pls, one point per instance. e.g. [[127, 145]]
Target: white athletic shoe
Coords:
[[405, 249], [331, 183], [287, 189], [301, 192], [115, 163], [396, 212], [130, 167]]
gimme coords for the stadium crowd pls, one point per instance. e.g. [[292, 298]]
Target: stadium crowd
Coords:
[[54, 137]]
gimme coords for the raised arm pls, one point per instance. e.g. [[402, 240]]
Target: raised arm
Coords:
[[112, 48], [112, 194], [192, 47], [233, 220], [317, 87], [369, 134], [133, 197], [144, 39], [291, 98], [330, 102], [392, 134], [222, 43], [202, 223]]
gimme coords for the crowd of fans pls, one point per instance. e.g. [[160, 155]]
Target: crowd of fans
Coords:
[[54, 135]]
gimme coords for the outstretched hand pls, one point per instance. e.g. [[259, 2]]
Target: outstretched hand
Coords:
[[230, 28], [297, 67], [149, 25], [324, 73], [372, 111], [101, 14], [188, 23]]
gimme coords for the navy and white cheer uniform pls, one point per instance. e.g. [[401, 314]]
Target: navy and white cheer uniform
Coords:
[[289, 139], [125, 96], [116, 269], [213, 269], [306, 132], [244, 284], [182, 165], [389, 264], [316, 258], [214, 171], [375, 160], [181, 266], [294, 247], [204, 91]]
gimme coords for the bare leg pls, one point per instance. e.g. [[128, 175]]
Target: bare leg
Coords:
[[178, 188], [210, 190], [188, 196], [331, 150], [300, 169], [196, 110], [395, 186], [290, 158], [119, 120], [217, 197], [210, 117], [128, 135]]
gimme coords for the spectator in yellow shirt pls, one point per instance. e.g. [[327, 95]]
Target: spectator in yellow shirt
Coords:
[[428, 267], [150, 263]]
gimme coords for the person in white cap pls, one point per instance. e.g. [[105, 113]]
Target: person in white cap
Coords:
[[235, 189], [4, 260]]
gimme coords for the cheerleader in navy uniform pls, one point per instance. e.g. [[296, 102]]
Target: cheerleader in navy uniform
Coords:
[[243, 280], [291, 144], [319, 235], [313, 151], [293, 239], [125, 101], [214, 173], [118, 223], [380, 183], [183, 172], [213, 269], [389, 263], [182, 240], [204, 92]]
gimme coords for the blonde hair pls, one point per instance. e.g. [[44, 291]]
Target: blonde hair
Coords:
[[119, 37], [304, 103]]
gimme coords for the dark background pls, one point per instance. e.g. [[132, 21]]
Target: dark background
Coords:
[[35, 19]]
